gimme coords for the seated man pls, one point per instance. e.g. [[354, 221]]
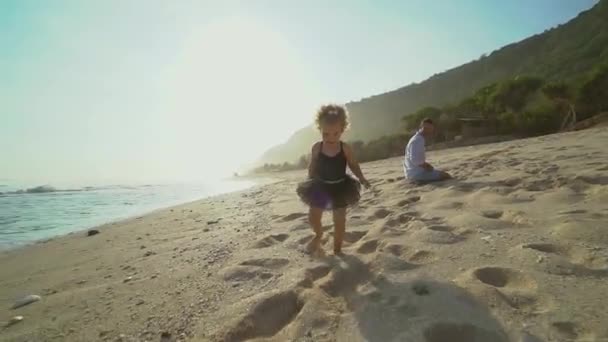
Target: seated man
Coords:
[[415, 166]]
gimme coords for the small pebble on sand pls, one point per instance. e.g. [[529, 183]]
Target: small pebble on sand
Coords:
[[540, 259], [14, 320], [29, 299], [165, 337]]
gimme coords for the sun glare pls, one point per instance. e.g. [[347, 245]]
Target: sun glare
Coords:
[[237, 87]]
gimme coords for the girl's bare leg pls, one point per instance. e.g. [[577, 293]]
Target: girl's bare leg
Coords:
[[314, 217], [339, 228]]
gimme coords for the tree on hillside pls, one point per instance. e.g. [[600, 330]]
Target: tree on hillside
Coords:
[[481, 103], [593, 93], [512, 95], [562, 95]]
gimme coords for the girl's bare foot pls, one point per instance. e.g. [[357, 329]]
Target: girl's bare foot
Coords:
[[314, 244]]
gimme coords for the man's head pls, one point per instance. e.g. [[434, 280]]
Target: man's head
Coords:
[[427, 127]]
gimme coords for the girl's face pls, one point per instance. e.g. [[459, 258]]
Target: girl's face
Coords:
[[331, 133]]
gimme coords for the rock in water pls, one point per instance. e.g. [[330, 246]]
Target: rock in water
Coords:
[[92, 232], [25, 301]]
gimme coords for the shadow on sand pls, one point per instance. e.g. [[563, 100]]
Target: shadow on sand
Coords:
[[419, 310]]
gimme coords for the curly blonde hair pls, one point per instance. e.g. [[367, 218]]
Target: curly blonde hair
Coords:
[[331, 114]]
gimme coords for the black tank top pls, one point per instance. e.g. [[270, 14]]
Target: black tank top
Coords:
[[331, 169]]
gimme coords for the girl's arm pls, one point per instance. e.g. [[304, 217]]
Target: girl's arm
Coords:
[[313, 160], [353, 164]]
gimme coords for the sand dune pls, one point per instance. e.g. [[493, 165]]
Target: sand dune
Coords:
[[513, 249]]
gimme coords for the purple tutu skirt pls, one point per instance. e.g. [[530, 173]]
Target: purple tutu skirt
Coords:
[[329, 196]]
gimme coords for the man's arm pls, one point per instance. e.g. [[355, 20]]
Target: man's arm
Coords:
[[418, 155], [353, 165]]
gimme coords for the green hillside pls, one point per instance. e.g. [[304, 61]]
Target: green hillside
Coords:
[[563, 53]]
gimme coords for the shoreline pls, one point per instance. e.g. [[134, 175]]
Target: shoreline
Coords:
[[514, 248], [256, 182]]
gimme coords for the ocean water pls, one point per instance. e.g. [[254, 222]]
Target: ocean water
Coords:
[[28, 214]]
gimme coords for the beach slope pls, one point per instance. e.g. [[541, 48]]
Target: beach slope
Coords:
[[513, 249]]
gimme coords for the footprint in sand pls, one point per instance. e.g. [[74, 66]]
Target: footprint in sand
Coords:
[[493, 214], [314, 273], [418, 257], [270, 313], [572, 212], [353, 236], [305, 240], [391, 263], [266, 262], [437, 234], [421, 257], [584, 230], [395, 249], [301, 226], [447, 205], [454, 332], [270, 240], [502, 277], [367, 247], [572, 331], [293, 216], [407, 217], [510, 182], [381, 213], [408, 200], [395, 311], [564, 260], [504, 287], [397, 224], [597, 179], [344, 277], [440, 228], [244, 273], [545, 248]]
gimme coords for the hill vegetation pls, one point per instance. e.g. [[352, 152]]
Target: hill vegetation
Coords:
[[520, 107], [522, 89]]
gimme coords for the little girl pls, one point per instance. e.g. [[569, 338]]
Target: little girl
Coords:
[[328, 186]]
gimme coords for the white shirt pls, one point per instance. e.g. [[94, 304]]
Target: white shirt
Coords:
[[414, 155]]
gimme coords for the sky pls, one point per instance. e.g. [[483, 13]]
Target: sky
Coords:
[[156, 90]]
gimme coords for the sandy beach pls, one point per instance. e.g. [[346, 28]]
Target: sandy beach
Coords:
[[513, 249]]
